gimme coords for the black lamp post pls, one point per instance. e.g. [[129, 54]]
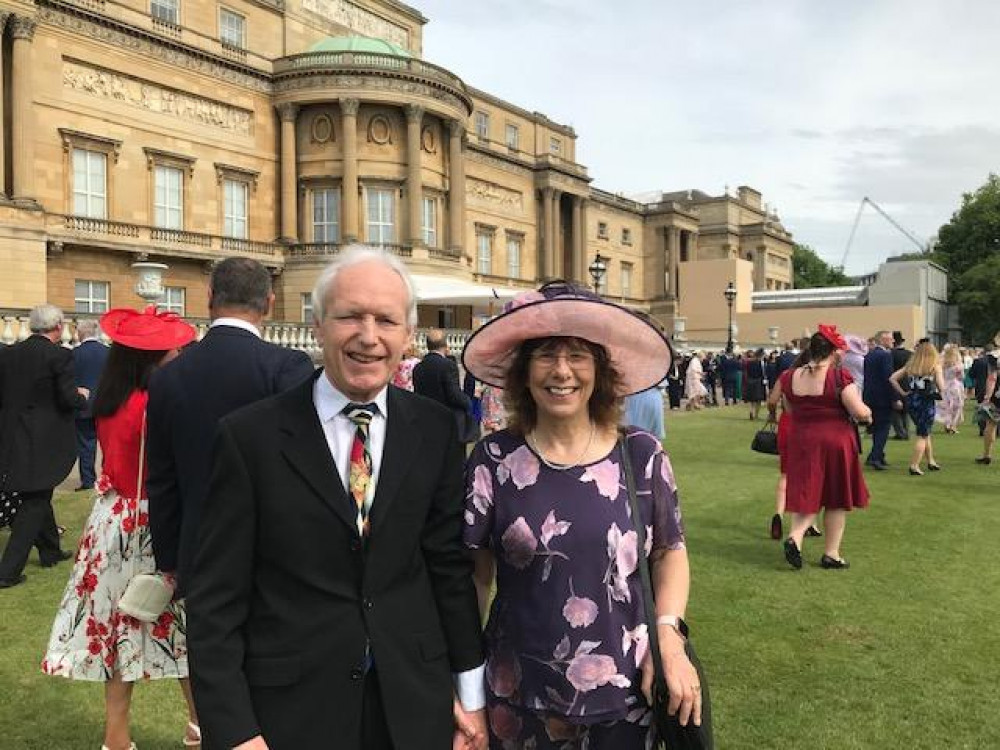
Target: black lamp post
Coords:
[[597, 268], [730, 295]]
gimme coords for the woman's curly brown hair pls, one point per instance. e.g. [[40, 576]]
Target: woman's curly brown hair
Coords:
[[605, 407]]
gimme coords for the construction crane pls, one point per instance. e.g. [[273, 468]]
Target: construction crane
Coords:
[[921, 246]]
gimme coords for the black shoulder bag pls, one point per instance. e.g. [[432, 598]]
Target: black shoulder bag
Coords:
[[671, 734], [765, 440]]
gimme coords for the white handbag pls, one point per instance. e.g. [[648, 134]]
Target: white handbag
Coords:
[[147, 594]]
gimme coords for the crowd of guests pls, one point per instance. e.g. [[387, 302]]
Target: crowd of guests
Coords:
[[333, 535]]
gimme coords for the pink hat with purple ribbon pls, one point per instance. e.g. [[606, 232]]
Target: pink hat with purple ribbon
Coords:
[[636, 348]]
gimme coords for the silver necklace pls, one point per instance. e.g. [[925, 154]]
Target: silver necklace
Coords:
[[533, 442]]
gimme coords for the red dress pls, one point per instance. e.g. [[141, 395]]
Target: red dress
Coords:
[[822, 453]]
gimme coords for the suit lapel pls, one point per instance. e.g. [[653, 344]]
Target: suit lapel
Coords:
[[398, 453], [306, 449]]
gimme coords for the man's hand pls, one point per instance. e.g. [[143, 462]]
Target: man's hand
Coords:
[[470, 729], [257, 743], [897, 405], [85, 392]]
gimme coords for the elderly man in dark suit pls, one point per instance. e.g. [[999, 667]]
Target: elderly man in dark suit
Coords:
[[37, 446], [879, 396], [88, 364], [231, 367], [900, 356], [332, 603], [436, 377]]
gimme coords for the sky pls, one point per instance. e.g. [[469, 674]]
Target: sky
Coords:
[[816, 103]]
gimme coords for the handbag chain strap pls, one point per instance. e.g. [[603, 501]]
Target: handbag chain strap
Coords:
[[659, 678]]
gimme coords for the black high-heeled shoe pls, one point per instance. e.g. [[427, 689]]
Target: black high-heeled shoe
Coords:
[[915, 472], [933, 467], [793, 555], [776, 526]]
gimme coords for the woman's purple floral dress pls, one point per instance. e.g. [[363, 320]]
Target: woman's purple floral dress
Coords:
[[566, 632]]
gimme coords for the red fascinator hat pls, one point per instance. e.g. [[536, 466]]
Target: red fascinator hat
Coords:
[[831, 334], [149, 330]]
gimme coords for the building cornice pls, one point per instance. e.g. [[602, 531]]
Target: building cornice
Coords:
[[536, 117], [80, 20]]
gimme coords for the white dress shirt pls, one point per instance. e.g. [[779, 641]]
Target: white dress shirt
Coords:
[[339, 431], [236, 323]]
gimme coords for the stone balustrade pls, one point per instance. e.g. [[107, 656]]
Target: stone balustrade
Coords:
[[326, 61], [14, 328]]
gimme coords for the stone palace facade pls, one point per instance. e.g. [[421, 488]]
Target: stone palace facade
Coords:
[[184, 131]]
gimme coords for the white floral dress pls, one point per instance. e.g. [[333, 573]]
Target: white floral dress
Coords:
[[90, 639]]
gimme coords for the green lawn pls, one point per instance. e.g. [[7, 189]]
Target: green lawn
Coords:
[[901, 651]]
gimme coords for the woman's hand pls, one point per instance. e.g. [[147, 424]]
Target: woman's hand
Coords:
[[682, 678]]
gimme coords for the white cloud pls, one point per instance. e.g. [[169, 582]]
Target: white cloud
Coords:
[[815, 104]]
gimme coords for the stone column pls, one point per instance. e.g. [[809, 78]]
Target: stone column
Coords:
[[349, 181], [288, 113], [414, 178], [545, 256], [578, 244], [456, 186], [556, 258], [22, 117], [4, 15], [692, 246], [673, 258]]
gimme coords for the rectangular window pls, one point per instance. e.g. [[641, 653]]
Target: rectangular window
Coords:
[[381, 216], [555, 145], [168, 198], [166, 10], [90, 184], [483, 125], [232, 28], [513, 137], [429, 222], [626, 279], [484, 252], [91, 296], [626, 236], [307, 307], [173, 299], [234, 218], [514, 257], [326, 215], [602, 230]]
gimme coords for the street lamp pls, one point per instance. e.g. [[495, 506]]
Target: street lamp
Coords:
[[597, 268], [730, 295]]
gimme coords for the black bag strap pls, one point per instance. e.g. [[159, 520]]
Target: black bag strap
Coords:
[[649, 604]]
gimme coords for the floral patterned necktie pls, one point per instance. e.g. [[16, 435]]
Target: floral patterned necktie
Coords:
[[361, 460]]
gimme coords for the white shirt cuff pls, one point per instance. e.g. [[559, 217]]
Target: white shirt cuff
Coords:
[[471, 688]]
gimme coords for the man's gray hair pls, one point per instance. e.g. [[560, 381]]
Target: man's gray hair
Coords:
[[354, 255], [44, 318], [86, 328]]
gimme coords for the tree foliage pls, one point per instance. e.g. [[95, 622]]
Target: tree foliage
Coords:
[[969, 247], [812, 271]]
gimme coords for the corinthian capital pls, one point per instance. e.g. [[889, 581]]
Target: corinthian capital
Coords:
[[350, 107], [414, 113], [456, 127], [287, 112], [22, 27]]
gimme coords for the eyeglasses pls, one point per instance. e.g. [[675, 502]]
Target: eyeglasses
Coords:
[[575, 360]]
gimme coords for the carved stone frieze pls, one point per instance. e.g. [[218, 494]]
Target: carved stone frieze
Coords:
[[379, 130], [491, 195], [359, 19], [147, 46], [22, 27], [371, 83], [137, 92], [428, 140], [493, 161], [322, 130]]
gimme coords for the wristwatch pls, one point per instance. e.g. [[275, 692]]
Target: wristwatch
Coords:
[[675, 622]]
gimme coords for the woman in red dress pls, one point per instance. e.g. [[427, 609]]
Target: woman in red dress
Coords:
[[822, 449]]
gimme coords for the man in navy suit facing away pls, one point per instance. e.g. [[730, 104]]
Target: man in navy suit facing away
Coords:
[[88, 364]]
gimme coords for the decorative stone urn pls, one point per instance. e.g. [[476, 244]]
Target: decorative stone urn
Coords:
[[149, 284]]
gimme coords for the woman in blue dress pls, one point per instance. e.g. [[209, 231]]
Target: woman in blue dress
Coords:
[[547, 515], [921, 383]]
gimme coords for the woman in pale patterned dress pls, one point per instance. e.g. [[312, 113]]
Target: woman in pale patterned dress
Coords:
[[92, 640], [404, 371], [951, 410], [694, 388], [547, 514]]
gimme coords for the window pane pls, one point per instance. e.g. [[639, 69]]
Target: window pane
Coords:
[[484, 253], [514, 258]]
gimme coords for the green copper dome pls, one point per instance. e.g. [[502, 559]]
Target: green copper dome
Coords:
[[358, 44]]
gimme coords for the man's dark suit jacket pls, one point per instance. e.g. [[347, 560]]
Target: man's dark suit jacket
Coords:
[[785, 360], [285, 596], [979, 373], [228, 369], [38, 400], [900, 356], [436, 377], [878, 393], [88, 364]]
